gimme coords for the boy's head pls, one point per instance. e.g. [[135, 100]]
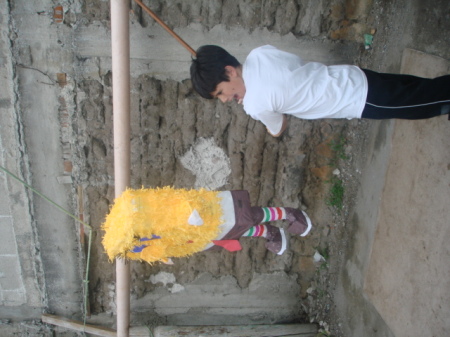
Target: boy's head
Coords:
[[209, 69]]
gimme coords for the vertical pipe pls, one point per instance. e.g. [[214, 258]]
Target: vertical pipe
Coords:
[[120, 44]]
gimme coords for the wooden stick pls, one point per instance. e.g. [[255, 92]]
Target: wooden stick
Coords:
[[78, 326], [171, 32], [137, 331]]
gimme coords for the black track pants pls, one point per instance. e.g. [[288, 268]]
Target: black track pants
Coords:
[[406, 96]]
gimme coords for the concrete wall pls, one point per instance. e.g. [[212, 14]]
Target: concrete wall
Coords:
[[36, 147], [57, 135], [20, 282]]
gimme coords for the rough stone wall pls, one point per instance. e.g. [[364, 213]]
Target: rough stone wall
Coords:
[[300, 17], [168, 118], [61, 67], [337, 19]]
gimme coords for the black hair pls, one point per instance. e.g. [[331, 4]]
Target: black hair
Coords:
[[208, 69]]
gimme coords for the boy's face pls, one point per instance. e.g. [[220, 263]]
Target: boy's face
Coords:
[[232, 90]]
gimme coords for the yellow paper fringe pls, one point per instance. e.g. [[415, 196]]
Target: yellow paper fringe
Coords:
[[163, 212]]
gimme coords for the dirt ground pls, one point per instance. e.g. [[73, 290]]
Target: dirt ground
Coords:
[[397, 27]]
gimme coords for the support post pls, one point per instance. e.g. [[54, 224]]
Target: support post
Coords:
[[120, 43]]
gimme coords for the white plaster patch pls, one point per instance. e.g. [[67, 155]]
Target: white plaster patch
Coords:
[[208, 163], [176, 288], [168, 280], [163, 278]]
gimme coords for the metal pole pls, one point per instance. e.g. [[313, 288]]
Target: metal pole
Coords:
[[120, 42]]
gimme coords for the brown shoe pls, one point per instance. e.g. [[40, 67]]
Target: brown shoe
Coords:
[[276, 240], [300, 224]]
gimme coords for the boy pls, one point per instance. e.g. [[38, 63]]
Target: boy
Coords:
[[272, 84]]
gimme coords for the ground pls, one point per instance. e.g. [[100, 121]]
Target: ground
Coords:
[[396, 27]]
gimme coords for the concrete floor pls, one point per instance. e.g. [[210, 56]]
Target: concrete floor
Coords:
[[397, 269]]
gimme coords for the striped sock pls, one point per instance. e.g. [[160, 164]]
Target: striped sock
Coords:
[[273, 213], [258, 230]]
